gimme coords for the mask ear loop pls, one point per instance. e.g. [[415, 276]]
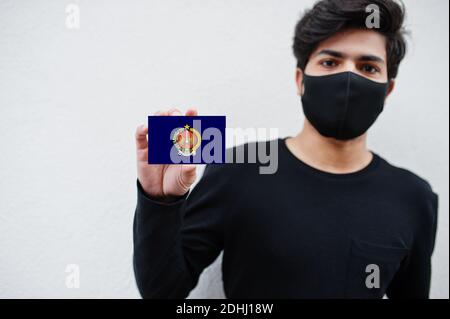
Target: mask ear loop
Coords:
[[299, 93], [302, 86], [386, 93]]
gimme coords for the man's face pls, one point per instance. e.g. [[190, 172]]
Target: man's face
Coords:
[[360, 51]]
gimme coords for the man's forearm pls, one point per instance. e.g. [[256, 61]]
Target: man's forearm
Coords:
[[158, 258]]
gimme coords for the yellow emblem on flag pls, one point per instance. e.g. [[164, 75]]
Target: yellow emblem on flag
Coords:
[[187, 140]]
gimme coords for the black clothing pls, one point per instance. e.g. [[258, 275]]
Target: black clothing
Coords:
[[299, 233]]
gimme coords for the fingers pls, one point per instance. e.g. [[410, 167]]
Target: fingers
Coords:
[[162, 113], [192, 112], [188, 175], [141, 137], [174, 112], [142, 130], [177, 112]]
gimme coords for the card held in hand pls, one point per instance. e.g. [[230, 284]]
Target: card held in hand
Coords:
[[186, 139]]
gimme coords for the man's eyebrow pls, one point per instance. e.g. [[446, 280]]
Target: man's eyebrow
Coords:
[[336, 54], [371, 58], [341, 55]]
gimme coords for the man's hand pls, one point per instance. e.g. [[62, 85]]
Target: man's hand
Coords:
[[162, 182]]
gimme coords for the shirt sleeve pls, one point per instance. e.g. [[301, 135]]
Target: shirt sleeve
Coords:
[[413, 279], [174, 242]]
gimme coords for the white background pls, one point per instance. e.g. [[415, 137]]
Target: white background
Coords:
[[71, 99]]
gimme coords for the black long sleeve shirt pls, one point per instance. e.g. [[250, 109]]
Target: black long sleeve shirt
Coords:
[[298, 233]]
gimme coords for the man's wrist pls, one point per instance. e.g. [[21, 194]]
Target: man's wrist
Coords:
[[167, 200]]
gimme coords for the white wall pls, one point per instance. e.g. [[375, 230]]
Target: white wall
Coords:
[[70, 100]]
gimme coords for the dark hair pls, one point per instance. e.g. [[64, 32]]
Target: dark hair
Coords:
[[328, 17]]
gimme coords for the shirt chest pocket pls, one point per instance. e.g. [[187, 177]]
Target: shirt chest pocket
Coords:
[[371, 268]]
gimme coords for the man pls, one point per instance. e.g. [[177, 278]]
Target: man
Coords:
[[335, 221]]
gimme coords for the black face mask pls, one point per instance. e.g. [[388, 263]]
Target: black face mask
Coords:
[[343, 106]]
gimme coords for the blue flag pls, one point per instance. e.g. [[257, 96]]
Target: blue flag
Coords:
[[186, 139]]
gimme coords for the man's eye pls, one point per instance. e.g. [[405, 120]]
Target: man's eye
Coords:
[[370, 69], [329, 63]]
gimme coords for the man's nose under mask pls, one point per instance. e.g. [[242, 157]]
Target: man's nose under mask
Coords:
[[342, 106]]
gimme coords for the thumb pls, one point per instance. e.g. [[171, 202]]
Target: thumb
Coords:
[[188, 175]]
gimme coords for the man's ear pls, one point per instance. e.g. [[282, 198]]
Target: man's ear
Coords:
[[391, 87], [299, 81]]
